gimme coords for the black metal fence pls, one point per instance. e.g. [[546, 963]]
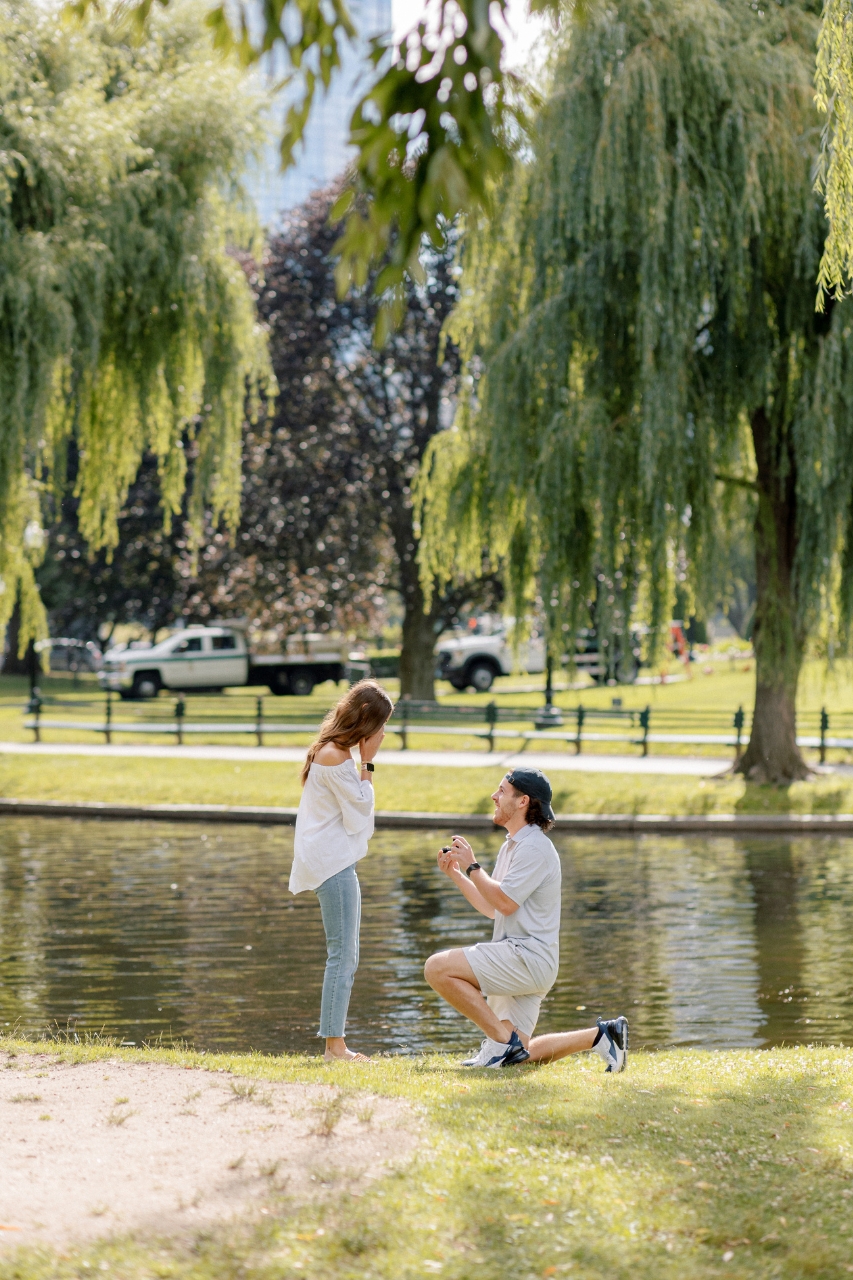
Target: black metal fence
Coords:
[[579, 725]]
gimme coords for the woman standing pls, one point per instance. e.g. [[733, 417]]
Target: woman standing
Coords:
[[333, 826]]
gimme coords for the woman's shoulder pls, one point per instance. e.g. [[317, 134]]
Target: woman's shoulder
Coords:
[[330, 754]]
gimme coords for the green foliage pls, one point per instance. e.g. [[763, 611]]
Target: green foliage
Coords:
[[123, 320], [138, 581], [834, 84], [430, 136], [432, 131], [327, 524], [646, 286]]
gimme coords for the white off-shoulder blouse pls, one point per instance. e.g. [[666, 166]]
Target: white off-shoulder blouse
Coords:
[[333, 824]]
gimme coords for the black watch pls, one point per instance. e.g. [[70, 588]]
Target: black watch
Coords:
[[475, 866], [368, 767]]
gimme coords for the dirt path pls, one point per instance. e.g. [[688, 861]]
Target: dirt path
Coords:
[[102, 1147]]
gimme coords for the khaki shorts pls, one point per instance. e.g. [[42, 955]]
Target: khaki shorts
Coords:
[[510, 989]]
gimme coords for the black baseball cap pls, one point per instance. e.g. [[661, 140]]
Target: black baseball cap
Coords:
[[533, 783]]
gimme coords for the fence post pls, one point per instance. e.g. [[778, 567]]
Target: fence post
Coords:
[[738, 723], [492, 717], [179, 719], [108, 727], [580, 715], [645, 721], [404, 741], [34, 709], [259, 722], [824, 725]]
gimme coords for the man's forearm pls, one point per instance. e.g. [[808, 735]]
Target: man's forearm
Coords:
[[472, 893], [490, 892]]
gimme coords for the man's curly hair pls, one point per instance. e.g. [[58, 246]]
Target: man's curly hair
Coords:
[[535, 814]]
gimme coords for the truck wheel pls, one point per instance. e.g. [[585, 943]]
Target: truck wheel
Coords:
[[481, 676], [146, 684], [301, 684]]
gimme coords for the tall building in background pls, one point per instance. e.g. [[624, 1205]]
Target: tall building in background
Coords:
[[323, 154]]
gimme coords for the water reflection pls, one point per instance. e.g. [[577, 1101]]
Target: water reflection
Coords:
[[146, 929]]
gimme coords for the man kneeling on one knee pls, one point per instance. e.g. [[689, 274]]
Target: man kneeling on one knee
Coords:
[[519, 966]]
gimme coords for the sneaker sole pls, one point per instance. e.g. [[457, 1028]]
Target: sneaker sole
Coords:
[[618, 1070], [515, 1059], [511, 1060]]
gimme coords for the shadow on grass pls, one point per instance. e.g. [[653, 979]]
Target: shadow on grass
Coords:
[[554, 1171], [735, 1181], [691, 1164]]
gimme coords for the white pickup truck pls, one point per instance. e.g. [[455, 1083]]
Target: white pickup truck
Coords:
[[215, 658], [475, 661]]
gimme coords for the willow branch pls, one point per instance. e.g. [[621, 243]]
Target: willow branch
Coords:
[[738, 480]]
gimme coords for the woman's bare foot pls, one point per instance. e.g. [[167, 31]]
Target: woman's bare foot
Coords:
[[337, 1051]]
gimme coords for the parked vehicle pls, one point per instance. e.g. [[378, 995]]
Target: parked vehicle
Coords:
[[66, 654], [216, 658], [476, 660]]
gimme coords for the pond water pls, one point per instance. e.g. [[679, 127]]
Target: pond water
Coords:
[[140, 930]]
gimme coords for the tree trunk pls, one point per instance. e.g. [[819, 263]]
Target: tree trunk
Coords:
[[417, 655], [13, 664], [778, 638]]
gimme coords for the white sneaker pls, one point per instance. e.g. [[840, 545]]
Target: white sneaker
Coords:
[[490, 1050], [612, 1042], [481, 1058], [494, 1053]]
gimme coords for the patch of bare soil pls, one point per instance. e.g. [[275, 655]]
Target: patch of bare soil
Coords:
[[104, 1147]]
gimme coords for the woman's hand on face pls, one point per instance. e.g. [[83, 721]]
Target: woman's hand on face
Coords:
[[368, 747]]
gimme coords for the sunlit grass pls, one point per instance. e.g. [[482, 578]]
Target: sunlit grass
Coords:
[[698, 1164], [432, 789], [399, 788]]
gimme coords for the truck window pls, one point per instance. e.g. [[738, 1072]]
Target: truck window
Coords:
[[190, 646], [224, 642]]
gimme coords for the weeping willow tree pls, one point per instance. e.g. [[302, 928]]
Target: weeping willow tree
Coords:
[[124, 322], [640, 338], [834, 83]]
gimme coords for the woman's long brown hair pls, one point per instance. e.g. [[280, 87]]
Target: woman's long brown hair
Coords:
[[361, 712]]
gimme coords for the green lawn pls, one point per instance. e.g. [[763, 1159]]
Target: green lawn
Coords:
[[424, 788], [421, 789], [691, 1164]]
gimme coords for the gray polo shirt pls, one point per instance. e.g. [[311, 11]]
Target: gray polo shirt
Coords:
[[528, 870]]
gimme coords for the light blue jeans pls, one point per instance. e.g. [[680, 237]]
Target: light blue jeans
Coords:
[[340, 906]]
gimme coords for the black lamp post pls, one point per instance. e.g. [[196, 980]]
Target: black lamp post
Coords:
[[34, 704], [550, 716], [33, 665]]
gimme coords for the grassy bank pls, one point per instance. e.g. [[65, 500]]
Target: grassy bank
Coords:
[[691, 1164], [422, 788]]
